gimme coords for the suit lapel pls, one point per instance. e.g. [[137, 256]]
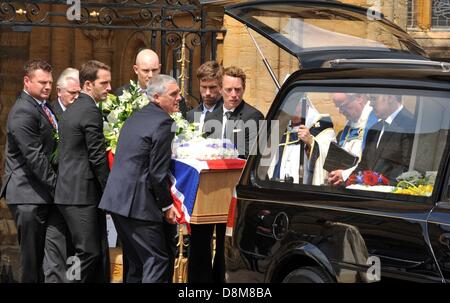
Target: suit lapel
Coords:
[[33, 102], [389, 132]]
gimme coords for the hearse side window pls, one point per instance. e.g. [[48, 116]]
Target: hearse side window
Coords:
[[378, 140]]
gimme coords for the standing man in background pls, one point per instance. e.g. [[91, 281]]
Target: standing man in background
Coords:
[[234, 114], [83, 172], [68, 88], [29, 180], [147, 66], [230, 118], [209, 75], [201, 267]]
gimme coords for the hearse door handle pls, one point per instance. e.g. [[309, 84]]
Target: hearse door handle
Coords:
[[444, 239]]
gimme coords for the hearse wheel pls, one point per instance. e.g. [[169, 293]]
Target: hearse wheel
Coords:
[[308, 274]]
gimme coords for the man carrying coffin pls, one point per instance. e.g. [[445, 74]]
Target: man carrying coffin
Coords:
[[137, 193], [238, 121]]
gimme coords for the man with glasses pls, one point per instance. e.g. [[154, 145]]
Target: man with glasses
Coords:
[[360, 118], [68, 89]]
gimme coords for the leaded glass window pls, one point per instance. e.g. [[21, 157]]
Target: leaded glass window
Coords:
[[440, 15]]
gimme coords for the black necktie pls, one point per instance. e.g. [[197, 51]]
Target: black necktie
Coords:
[[228, 115]]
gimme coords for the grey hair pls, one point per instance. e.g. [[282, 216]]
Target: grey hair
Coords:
[[68, 74], [157, 85], [354, 96]]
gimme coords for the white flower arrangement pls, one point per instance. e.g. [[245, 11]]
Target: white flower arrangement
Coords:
[[118, 109]]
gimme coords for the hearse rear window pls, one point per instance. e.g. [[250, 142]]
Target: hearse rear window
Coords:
[[379, 140]]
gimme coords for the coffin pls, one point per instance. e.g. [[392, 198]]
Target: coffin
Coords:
[[202, 190], [214, 195], [206, 194]]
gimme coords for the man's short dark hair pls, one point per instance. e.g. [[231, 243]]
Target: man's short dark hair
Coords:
[[235, 72], [210, 70], [33, 65], [89, 70]]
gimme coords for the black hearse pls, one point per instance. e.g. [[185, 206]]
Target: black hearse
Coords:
[[284, 229]]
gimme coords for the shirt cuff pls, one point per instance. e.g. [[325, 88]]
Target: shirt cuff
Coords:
[[346, 173], [167, 207]]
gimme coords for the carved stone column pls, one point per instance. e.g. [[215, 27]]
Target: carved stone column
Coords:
[[101, 44]]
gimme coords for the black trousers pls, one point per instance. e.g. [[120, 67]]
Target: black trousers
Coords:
[[58, 248], [35, 231], [201, 269], [87, 228], [148, 249]]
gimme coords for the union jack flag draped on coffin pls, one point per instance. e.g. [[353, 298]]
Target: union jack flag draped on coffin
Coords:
[[185, 177]]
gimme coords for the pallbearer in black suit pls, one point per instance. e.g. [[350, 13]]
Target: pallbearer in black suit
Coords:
[[238, 121], [83, 172], [389, 142], [137, 193], [29, 180], [68, 88], [209, 75], [201, 267]]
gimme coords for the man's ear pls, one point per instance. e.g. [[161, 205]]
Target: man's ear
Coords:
[[156, 98], [58, 91], [26, 80], [87, 86], [135, 68]]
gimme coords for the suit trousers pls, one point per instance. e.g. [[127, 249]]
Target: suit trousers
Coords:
[[58, 248], [87, 228], [201, 269], [31, 223], [148, 249]]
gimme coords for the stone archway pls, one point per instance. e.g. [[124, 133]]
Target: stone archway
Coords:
[[132, 46]]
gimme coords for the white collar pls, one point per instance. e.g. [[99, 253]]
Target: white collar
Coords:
[[227, 110], [205, 109], [393, 115], [40, 103], [62, 105], [362, 121]]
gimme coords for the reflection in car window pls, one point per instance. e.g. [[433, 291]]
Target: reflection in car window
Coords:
[[303, 28], [389, 141]]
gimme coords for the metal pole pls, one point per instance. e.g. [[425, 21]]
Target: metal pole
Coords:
[[266, 63]]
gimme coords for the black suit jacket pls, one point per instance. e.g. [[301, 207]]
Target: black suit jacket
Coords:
[[138, 186], [83, 167], [57, 109], [393, 154], [194, 114], [183, 107], [29, 177], [243, 136]]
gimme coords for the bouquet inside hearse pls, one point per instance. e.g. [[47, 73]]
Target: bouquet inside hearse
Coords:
[[408, 183]]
